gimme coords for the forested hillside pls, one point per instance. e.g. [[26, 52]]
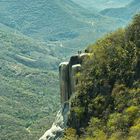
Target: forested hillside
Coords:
[[27, 96], [106, 105]]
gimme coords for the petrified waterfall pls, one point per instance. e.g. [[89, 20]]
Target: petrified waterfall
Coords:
[[57, 129], [68, 80], [64, 78], [68, 75]]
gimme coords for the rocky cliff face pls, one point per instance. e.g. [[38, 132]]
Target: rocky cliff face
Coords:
[[57, 129], [68, 80], [68, 75]]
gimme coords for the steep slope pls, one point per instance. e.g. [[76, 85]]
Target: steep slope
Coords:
[[125, 13], [106, 105], [27, 95]]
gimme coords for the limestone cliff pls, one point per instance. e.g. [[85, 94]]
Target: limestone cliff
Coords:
[[67, 75]]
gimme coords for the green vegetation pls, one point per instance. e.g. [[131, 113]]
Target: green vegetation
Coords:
[[106, 105], [123, 12], [35, 36], [28, 99], [63, 24]]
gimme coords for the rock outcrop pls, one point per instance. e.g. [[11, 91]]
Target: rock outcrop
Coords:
[[68, 75], [68, 81], [64, 81]]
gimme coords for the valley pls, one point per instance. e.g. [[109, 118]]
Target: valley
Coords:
[[35, 36]]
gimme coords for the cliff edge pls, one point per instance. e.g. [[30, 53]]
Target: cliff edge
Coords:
[[106, 105], [68, 72]]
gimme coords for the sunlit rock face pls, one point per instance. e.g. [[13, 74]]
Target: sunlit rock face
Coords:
[[68, 75], [57, 129]]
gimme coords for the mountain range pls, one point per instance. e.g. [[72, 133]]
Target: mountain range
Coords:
[[57, 21], [125, 13], [102, 4], [35, 36]]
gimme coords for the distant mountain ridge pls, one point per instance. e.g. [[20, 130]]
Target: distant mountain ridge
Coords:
[[34, 18], [125, 13], [98, 5]]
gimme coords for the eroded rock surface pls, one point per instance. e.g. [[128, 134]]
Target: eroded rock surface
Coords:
[[68, 75]]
